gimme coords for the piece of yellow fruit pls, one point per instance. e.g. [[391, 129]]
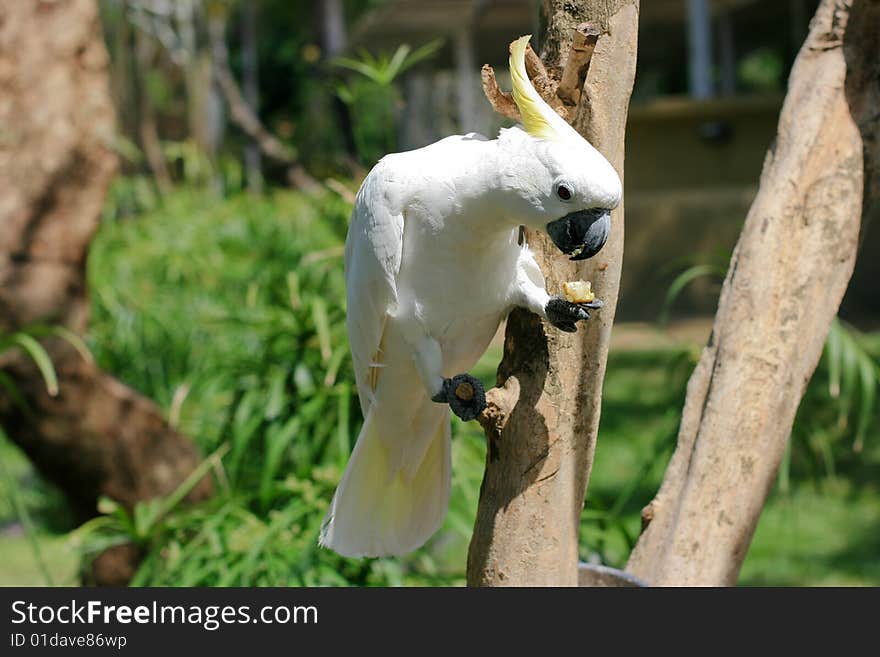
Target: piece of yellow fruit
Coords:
[[578, 291]]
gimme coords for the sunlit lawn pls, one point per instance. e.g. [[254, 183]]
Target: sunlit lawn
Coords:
[[19, 568], [820, 533], [19, 565]]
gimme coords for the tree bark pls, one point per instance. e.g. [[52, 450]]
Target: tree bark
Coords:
[[786, 280], [539, 458], [96, 437]]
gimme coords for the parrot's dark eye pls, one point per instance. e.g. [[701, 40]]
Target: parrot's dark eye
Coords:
[[563, 192]]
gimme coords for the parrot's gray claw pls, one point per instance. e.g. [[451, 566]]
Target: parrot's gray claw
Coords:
[[464, 394], [563, 314]]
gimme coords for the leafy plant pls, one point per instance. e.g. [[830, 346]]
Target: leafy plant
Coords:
[[839, 411], [372, 97], [27, 341], [762, 70], [116, 525], [383, 69], [690, 269]]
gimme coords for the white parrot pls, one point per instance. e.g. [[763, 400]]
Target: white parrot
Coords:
[[432, 266]]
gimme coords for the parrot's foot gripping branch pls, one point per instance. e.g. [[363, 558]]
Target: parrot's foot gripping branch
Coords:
[[563, 314], [464, 394]]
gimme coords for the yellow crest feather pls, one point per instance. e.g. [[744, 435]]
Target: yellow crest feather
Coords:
[[538, 118]]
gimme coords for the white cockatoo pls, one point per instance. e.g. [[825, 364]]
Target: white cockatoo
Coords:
[[433, 265]]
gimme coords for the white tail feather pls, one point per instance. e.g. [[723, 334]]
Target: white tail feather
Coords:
[[383, 507]]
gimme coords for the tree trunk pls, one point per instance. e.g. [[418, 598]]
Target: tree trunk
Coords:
[[538, 462], [96, 437], [786, 280]]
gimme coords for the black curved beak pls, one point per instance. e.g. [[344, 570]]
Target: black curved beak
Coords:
[[581, 234]]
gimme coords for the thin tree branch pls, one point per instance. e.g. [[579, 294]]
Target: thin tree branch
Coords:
[[500, 403], [543, 83], [244, 117], [501, 101]]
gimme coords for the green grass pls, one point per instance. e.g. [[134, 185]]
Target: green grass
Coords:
[[815, 535], [230, 313], [825, 536], [822, 531], [19, 568], [19, 565]]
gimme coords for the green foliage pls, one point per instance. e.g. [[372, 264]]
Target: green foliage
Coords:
[[231, 314], [839, 411], [762, 70], [23, 516], [689, 269], [641, 407], [373, 99], [137, 193], [26, 342], [825, 535], [383, 69]]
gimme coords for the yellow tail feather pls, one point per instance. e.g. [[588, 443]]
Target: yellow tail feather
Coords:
[[382, 508]]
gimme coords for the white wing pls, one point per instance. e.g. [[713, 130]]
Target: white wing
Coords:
[[372, 261]]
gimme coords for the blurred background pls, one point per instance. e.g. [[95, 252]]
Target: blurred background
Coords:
[[243, 130]]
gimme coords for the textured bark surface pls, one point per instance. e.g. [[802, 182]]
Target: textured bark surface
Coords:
[[538, 463], [96, 436], [786, 280]]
